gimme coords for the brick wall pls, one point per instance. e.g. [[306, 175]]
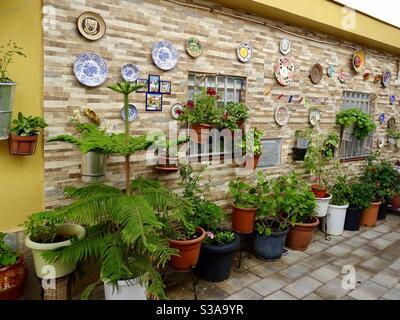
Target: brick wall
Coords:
[[132, 29]]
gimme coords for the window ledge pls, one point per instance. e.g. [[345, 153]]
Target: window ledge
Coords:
[[361, 158]]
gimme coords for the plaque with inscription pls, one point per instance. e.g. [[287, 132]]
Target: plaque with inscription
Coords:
[[271, 153]]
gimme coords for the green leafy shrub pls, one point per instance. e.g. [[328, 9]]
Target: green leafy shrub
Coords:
[[340, 191], [244, 195], [363, 123], [360, 195], [27, 126], [42, 226], [233, 116], [7, 256], [251, 143]]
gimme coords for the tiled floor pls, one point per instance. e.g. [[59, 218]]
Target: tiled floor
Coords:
[[317, 273]]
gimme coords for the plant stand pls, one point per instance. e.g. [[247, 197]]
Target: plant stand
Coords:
[[62, 290]]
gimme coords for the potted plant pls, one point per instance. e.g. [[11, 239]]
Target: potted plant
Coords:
[[238, 113], [299, 203], [24, 134], [317, 160], [338, 207], [394, 137], [46, 231], [355, 122], [271, 226], [7, 86], [302, 140], [359, 197], [245, 199], [252, 148], [217, 250], [92, 142], [167, 150], [202, 113], [13, 272]]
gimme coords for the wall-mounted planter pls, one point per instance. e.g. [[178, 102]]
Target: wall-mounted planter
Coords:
[[167, 164], [302, 143], [347, 133], [299, 154], [7, 92], [93, 167], [22, 146], [252, 162], [202, 131]]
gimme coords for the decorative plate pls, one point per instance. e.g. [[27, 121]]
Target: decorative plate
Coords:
[[132, 115], [130, 72], [367, 75], [91, 25], [284, 71], [392, 100], [381, 142], [378, 78], [331, 71], [316, 73], [342, 76], [284, 46], [244, 52], [165, 55], [382, 118], [386, 77], [358, 61], [282, 115], [392, 123], [176, 111], [91, 69], [315, 117], [193, 47]]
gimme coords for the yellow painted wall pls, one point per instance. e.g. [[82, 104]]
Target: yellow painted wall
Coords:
[[324, 16], [22, 178]]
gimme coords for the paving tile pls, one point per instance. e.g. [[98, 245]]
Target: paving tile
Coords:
[[369, 290], [371, 234], [280, 295], [380, 243], [293, 256], [350, 260], [302, 287], [391, 252], [245, 294], [387, 278], [395, 265], [393, 294], [312, 296], [237, 281], [350, 234], [267, 268], [296, 271], [375, 264], [332, 290], [316, 247], [392, 235], [383, 228], [363, 275], [365, 252], [332, 240], [319, 259], [210, 292], [326, 273], [250, 262], [356, 242], [271, 284], [340, 250]]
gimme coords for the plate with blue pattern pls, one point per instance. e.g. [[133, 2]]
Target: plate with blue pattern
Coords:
[[165, 55], [132, 113], [91, 69], [130, 72]]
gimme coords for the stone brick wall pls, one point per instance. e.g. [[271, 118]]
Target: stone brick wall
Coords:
[[132, 29]]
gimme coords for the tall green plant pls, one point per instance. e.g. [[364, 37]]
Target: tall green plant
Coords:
[[7, 55]]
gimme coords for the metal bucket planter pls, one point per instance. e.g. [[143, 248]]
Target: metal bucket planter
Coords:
[[7, 91], [302, 143], [93, 167], [348, 133]]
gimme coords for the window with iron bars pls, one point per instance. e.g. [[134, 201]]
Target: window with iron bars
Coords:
[[354, 148], [230, 89]]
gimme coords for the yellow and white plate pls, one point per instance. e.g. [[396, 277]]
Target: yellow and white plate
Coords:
[[244, 52]]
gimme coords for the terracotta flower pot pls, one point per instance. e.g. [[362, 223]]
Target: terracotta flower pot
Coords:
[[318, 191], [12, 279], [202, 131], [370, 215], [396, 201], [22, 146], [300, 235], [253, 162], [243, 219], [189, 251], [167, 164]]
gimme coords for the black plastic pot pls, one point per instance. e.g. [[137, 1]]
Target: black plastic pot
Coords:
[[299, 154], [353, 218], [269, 248], [382, 211], [215, 262]]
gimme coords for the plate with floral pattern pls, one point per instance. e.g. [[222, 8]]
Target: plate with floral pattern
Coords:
[[176, 111], [282, 115], [386, 78], [284, 71], [130, 72], [91, 69], [193, 47], [165, 55], [284, 46], [358, 60], [244, 52]]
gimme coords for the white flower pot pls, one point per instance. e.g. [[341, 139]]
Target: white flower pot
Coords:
[[335, 220], [322, 206], [126, 290]]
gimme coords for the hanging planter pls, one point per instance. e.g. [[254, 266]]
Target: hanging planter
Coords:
[[252, 162], [93, 167], [22, 146], [7, 92], [202, 132], [299, 154]]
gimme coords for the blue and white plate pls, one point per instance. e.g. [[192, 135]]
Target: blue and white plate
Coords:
[[132, 113], [91, 69], [130, 72], [165, 55]]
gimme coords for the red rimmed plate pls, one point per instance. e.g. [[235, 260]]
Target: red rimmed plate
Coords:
[[284, 71]]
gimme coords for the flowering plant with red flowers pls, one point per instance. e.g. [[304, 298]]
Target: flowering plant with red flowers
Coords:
[[202, 109]]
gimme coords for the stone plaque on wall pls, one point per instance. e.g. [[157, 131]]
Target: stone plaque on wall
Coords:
[[271, 153]]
